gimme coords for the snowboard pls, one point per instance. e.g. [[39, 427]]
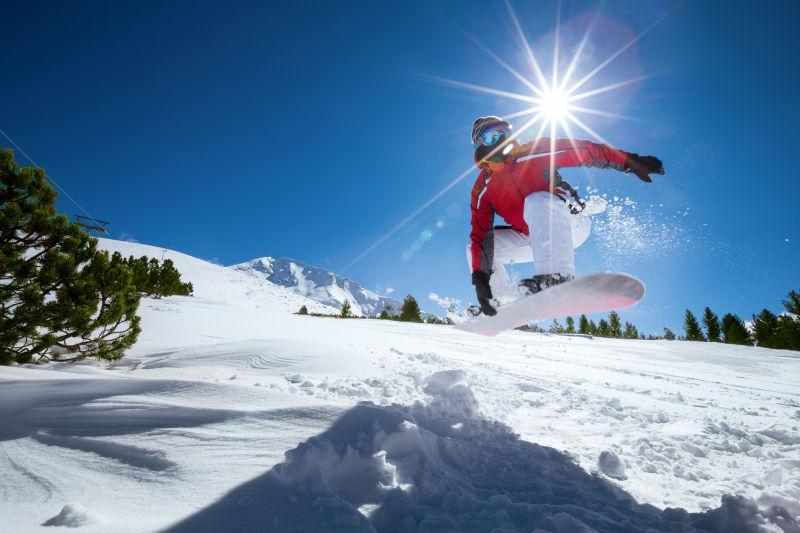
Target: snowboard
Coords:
[[589, 294]]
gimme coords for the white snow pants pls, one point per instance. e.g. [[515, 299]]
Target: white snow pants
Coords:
[[554, 233]]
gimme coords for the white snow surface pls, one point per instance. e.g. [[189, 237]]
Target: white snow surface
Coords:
[[232, 413]]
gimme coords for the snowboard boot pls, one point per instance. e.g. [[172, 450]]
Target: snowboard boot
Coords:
[[543, 281]]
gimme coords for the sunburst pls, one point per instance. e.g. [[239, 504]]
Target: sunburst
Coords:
[[554, 101]]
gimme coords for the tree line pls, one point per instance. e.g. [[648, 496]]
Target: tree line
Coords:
[[768, 330], [409, 312], [60, 297], [611, 327]]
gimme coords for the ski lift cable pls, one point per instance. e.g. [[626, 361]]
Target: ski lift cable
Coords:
[[49, 178]]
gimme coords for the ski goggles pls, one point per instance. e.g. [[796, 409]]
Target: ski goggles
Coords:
[[491, 135]]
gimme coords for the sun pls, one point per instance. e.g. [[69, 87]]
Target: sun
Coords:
[[553, 100], [554, 105]]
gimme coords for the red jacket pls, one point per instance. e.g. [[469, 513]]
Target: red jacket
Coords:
[[526, 171]]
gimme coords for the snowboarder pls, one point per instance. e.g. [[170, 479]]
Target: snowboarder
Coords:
[[521, 183]]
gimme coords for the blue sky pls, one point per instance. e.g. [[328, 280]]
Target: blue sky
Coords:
[[310, 129]]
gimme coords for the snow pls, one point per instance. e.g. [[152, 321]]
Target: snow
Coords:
[[232, 413], [72, 515], [611, 465]]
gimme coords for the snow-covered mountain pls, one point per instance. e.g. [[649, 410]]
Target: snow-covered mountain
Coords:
[[318, 284]]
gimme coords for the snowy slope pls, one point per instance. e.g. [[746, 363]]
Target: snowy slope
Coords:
[[233, 414], [318, 284]]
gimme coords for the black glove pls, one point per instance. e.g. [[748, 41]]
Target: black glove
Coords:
[[484, 292], [643, 166]]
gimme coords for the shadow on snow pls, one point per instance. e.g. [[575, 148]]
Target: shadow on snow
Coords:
[[443, 467]]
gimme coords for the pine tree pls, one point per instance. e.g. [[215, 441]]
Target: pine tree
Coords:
[[734, 330], [668, 334], [692, 327], [570, 325], [787, 333], [792, 305], [614, 326], [410, 310], [555, 327], [303, 310], [593, 328], [156, 280], [630, 331], [169, 281], [59, 296], [346, 310], [765, 326], [711, 322], [583, 325], [602, 329]]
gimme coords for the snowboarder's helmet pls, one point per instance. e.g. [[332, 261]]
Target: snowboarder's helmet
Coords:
[[484, 126], [488, 133]]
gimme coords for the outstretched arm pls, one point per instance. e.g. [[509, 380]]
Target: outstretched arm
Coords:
[[576, 153]]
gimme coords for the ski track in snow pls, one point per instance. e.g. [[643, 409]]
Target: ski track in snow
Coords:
[[231, 413]]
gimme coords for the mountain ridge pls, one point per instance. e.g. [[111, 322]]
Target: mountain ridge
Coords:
[[318, 284]]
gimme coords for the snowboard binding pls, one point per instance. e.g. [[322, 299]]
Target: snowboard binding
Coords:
[[543, 281]]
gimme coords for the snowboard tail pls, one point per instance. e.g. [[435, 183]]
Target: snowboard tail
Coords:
[[589, 294]]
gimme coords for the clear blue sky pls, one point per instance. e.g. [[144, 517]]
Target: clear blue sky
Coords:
[[309, 129]]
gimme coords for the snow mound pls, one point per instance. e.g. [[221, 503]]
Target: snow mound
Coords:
[[441, 466], [611, 465], [72, 515]]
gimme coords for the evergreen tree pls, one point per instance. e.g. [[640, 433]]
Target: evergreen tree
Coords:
[[169, 281], [765, 326], [570, 325], [787, 333], [384, 315], [668, 334], [303, 310], [630, 331], [734, 330], [614, 326], [346, 310], [711, 322], [556, 327], [792, 305], [583, 325], [593, 328], [692, 327], [59, 296], [156, 280], [140, 273], [602, 329], [409, 312]]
